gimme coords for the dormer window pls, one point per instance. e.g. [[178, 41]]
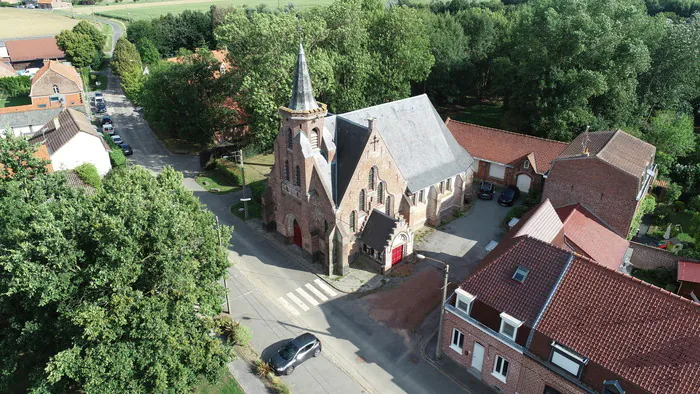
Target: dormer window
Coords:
[[464, 300], [509, 326], [55, 89], [520, 274], [526, 164], [567, 359]]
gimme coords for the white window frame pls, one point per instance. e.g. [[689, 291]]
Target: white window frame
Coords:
[[498, 374], [526, 164], [455, 346], [567, 360], [466, 298], [524, 271], [511, 321]]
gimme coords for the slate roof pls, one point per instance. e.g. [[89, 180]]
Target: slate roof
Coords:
[[505, 147], [418, 140], [646, 335], [69, 72], [33, 49], [302, 92], [617, 148], [592, 236], [689, 271], [70, 123], [28, 118], [378, 229], [350, 141], [492, 281]]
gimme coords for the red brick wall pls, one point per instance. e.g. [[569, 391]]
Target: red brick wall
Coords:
[[534, 377], [511, 175], [606, 191], [492, 348]]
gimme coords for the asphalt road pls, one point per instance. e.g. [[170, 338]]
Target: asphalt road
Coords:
[[279, 299]]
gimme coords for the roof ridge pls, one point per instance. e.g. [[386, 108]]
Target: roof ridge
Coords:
[[508, 132], [388, 102]]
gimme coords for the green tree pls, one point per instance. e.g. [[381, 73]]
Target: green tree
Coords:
[[78, 48], [89, 30], [126, 62], [673, 135], [148, 51], [96, 303], [18, 160]]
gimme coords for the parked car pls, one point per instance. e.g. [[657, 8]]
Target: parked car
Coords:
[[101, 107], [486, 191], [108, 128], [126, 149], [509, 196], [295, 352], [106, 120], [30, 72], [117, 139]]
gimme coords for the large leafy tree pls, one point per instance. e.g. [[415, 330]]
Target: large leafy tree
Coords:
[[82, 45], [110, 293], [18, 159], [126, 63], [88, 29]]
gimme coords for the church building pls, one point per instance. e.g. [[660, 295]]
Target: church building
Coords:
[[363, 181]]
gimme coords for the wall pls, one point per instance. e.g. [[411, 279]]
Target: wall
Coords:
[[82, 148], [44, 85], [604, 190], [648, 257], [511, 174], [534, 377]]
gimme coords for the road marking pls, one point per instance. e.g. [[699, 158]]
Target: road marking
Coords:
[[325, 287], [297, 301], [316, 292], [307, 297], [289, 307]]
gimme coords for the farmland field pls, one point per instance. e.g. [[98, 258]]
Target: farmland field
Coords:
[[15, 23]]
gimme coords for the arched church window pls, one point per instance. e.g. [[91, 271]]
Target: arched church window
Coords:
[[286, 170], [298, 176], [290, 139], [380, 193], [313, 139], [372, 174], [388, 205], [362, 200], [352, 221]]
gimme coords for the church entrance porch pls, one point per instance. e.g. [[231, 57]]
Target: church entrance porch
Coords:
[[396, 255], [297, 234], [386, 240]]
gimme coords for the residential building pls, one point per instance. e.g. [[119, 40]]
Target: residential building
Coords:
[[507, 158], [29, 121], [609, 172], [363, 181], [52, 4], [71, 140], [551, 310], [56, 85], [33, 52]]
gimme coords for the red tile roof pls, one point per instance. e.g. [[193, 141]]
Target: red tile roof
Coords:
[[59, 68], [505, 147], [689, 271], [33, 49], [596, 239], [492, 283], [646, 335]]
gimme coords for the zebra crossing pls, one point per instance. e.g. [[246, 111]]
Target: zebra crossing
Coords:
[[302, 297]]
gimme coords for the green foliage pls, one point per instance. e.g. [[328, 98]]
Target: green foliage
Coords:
[[533, 199], [88, 173], [262, 369], [515, 212], [233, 331], [82, 45], [673, 192], [117, 158], [17, 160], [126, 62], [230, 171], [660, 277], [278, 386], [148, 51], [694, 203], [115, 293], [242, 335], [15, 86], [647, 205], [190, 30], [673, 135], [684, 8], [678, 206], [94, 35]]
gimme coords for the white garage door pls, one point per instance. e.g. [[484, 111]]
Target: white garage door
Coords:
[[523, 183], [497, 171]]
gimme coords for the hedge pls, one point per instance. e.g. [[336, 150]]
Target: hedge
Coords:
[[15, 86], [116, 156], [515, 212], [88, 173], [230, 171]]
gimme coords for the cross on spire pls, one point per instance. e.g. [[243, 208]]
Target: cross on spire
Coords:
[[374, 143]]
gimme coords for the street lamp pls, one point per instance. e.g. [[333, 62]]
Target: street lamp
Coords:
[[245, 207], [446, 271]]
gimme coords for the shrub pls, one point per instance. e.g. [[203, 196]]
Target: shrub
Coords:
[[117, 158], [533, 199], [230, 171], [257, 188], [673, 192], [226, 327], [88, 173], [262, 369], [515, 212], [647, 206], [15, 86], [278, 386], [679, 206], [694, 203], [242, 335]]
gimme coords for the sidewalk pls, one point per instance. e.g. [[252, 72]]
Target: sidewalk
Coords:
[[454, 371]]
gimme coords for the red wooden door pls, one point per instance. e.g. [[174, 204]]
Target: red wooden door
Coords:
[[396, 254], [297, 234]]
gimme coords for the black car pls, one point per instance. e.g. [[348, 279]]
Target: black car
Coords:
[[295, 352], [106, 120], [508, 196], [486, 191], [101, 108], [126, 149]]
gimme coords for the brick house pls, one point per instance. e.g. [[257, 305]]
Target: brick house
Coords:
[[56, 85], [551, 311], [363, 181], [507, 158], [32, 52], [609, 172]]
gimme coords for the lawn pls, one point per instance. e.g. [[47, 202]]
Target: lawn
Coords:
[[14, 101], [477, 112], [215, 180], [225, 385], [15, 23], [257, 167], [254, 209]]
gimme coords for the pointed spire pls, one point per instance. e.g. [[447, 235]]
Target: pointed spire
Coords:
[[302, 93]]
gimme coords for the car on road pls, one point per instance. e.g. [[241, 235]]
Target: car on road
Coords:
[[117, 139], [126, 149], [106, 120], [108, 128], [98, 97], [486, 191], [509, 196], [295, 352], [101, 107]]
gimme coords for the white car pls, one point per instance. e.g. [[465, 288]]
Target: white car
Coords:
[[30, 72], [108, 128], [117, 139]]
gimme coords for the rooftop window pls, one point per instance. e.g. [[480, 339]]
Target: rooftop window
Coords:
[[520, 274]]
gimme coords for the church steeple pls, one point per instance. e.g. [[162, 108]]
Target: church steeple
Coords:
[[302, 92]]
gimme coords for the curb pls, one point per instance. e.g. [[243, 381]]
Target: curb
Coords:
[[434, 364]]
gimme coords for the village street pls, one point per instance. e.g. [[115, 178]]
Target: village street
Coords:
[[278, 298]]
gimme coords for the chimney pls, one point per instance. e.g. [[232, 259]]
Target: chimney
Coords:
[[585, 142], [370, 123]]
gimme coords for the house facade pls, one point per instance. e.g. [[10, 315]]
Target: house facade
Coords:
[[609, 172], [56, 85], [71, 140], [507, 158], [363, 181], [53, 4]]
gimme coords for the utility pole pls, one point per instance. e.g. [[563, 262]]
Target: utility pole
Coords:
[[218, 232], [446, 272], [245, 199]]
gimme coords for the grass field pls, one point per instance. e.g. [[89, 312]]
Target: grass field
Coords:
[[15, 23]]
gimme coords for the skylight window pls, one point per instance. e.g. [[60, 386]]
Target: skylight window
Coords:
[[520, 274]]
